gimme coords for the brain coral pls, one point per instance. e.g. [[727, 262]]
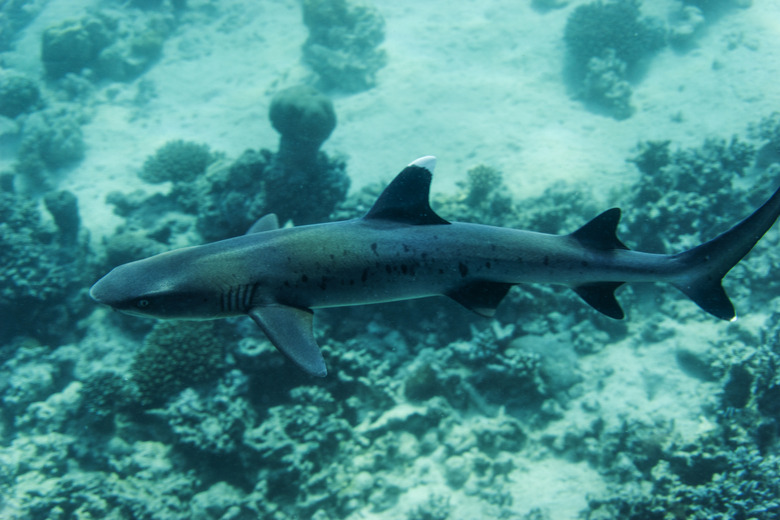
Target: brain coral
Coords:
[[177, 161], [175, 356]]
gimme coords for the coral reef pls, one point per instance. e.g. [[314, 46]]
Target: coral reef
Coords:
[[342, 43], [73, 45], [64, 209], [175, 356], [304, 119], [51, 138], [710, 481], [45, 269], [675, 185], [231, 197], [605, 42], [594, 28], [14, 16], [685, 24], [103, 394], [716, 6], [604, 85], [767, 133], [227, 197], [139, 44], [18, 94], [111, 46], [177, 161], [429, 412]]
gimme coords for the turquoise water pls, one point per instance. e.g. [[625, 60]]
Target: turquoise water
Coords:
[[128, 129]]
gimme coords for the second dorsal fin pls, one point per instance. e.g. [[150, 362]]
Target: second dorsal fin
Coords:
[[405, 200], [601, 232]]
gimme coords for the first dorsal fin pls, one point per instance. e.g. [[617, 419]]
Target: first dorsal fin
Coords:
[[601, 232], [405, 200]]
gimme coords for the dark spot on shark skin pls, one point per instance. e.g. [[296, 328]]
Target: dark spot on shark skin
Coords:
[[286, 283], [406, 248], [388, 268], [332, 257], [304, 278], [364, 276], [487, 264], [441, 271], [424, 256], [351, 281], [463, 268], [584, 263], [546, 260], [374, 247], [324, 283], [404, 269]]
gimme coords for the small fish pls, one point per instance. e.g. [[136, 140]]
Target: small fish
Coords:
[[401, 250]]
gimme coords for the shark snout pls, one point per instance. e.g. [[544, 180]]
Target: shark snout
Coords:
[[97, 291], [109, 290]]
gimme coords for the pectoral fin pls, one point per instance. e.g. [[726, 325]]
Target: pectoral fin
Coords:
[[290, 330]]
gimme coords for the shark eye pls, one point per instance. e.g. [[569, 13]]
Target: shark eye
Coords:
[[142, 303]]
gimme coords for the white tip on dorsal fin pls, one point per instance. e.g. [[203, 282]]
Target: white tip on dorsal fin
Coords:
[[428, 162], [405, 200]]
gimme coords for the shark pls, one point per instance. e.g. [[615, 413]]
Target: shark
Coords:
[[401, 249]]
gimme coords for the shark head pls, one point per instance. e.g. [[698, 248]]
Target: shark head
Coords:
[[162, 286]]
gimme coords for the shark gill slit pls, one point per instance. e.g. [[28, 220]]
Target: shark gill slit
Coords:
[[238, 298]]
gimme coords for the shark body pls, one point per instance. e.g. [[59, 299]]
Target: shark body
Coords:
[[402, 250]]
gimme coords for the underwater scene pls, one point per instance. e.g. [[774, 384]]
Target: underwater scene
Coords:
[[474, 336]]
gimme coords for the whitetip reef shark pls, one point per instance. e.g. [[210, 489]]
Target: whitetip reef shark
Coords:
[[401, 250]]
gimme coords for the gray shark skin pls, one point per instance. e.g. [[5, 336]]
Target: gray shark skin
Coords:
[[402, 250]]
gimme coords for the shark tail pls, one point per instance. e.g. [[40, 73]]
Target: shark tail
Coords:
[[703, 267]]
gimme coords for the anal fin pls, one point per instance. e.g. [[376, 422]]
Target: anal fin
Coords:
[[290, 330], [601, 296], [480, 297]]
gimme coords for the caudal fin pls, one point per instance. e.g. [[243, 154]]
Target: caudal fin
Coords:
[[703, 267]]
